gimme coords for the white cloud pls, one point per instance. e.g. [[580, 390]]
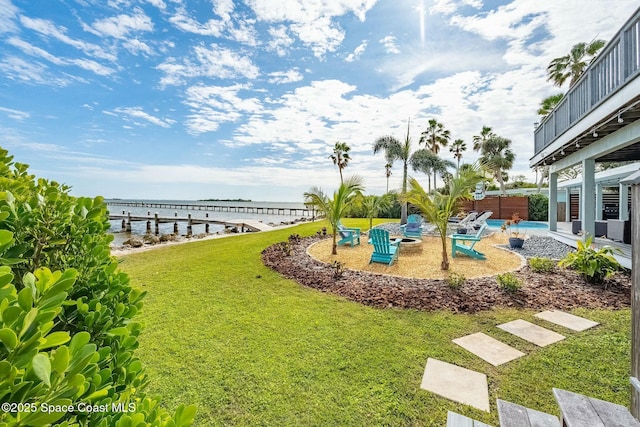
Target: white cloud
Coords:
[[8, 15], [389, 43], [136, 46], [15, 114], [121, 26], [160, 4], [137, 113], [214, 61], [358, 51], [184, 22], [282, 77], [447, 7], [280, 42]]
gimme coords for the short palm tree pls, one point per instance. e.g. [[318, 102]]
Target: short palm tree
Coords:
[[340, 156], [496, 154], [396, 150], [372, 205], [457, 148], [333, 209], [437, 207], [479, 140], [571, 66]]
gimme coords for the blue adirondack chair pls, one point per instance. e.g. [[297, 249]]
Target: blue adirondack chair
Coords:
[[348, 236], [384, 250], [413, 227], [464, 243]]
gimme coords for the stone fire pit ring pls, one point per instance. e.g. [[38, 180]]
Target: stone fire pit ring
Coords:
[[409, 245]]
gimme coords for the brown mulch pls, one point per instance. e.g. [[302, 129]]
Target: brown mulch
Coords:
[[561, 289]]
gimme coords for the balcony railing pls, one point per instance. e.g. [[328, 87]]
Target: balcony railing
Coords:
[[615, 66]]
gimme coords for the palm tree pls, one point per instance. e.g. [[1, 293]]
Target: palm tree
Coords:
[[372, 205], [457, 148], [395, 150], [437, 207], [434, 137], [423, 160], [496, 154], [479, 140], [333, 209], [387, 173], [340, 156], [571, 66], [548, 104]]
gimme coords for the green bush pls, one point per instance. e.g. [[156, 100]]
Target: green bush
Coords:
[[86, 301], [508, 282], [542, 265], [595, 265], [455, 280], [538, 207]]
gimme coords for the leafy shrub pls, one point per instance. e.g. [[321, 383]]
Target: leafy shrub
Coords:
[[595, 265], [542, 265], [508, 282], [538, 207], [85, 302], [455, 280]]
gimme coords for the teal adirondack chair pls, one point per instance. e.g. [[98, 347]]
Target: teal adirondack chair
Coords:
[[384, 250], [464, 243], [413, 227], [348, 236]]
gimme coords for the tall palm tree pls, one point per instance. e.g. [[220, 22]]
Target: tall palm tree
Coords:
[[340, 156], [479, 140], [334, 209], [387, 173], [548, 104], [496, 154], [396, 150], [423, 160], [457, 148], [437, 207], [434, 137], [571, 66]]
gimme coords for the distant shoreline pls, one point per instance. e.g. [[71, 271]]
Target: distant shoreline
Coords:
[[225, 200]]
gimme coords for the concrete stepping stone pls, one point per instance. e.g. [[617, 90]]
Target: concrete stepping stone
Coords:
[[538, 335], [569, 321], [455, 383], [488, 348]]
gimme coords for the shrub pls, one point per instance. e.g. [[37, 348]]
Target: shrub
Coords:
[[542, 265], [508, 282], [455, 280], [58, 285], [538, 207], [595, 265], [338, 269]]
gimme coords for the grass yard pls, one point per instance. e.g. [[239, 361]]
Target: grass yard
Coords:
[[251, 348]]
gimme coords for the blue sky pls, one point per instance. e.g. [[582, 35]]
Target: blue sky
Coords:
[[183, 99]]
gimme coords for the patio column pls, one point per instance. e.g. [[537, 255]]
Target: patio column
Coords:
[[623, 202], [599, 201], [567, 211], [553, 201], [587, 201]]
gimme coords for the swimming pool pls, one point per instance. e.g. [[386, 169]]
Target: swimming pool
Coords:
[[541, 225]]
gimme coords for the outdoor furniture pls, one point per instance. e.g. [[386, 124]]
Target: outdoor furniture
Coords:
[[512, 415], [413, 227], [578, 410], [619, 230], [480, 220], [600, 227], [456, 420], [464, 243], [384, 250], [348, 236], [463, 221]]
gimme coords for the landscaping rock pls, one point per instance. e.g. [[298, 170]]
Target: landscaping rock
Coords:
[[150, 239], [134, 242], [168, 237]]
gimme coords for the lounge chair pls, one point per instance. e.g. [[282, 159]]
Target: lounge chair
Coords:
[[480, 220], [413, 227], [462, 222], [348, 236], [385, 251], [464, 243]]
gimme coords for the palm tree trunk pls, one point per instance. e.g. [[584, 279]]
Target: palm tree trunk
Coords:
[[404, 207], [503, 190], [334, 249], [340, 170], [435, 174], [445, 257]]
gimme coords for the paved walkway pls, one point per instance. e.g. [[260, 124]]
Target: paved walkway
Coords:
[[470, 387]]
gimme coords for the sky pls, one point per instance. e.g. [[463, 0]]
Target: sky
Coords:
[[182, 99]]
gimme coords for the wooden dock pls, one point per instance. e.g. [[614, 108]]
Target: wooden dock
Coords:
[[241, 225], [218, 208]]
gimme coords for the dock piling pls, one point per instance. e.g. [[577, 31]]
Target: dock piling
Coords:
[[128, 227], [157, 230], [189, 225]]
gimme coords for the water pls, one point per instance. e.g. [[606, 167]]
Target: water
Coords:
[[523, 227], [139, 227]]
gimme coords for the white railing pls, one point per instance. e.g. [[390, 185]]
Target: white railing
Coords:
[[615, 66]]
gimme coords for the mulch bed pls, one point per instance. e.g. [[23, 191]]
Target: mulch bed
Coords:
[[561, 289]]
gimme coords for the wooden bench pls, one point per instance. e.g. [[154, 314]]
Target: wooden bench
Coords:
[[513, 415], [582, 411], [456, 420]]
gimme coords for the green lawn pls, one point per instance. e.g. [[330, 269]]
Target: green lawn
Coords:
[[251, 348]]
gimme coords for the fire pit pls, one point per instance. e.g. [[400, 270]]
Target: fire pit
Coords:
[[410, 246]]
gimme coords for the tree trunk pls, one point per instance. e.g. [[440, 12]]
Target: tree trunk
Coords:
[[445, 258], [404, 208], [501, 181], [334, 249]]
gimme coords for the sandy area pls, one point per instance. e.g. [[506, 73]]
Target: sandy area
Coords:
[[427, 263]]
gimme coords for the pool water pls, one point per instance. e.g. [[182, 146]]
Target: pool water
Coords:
[[496, 223]]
